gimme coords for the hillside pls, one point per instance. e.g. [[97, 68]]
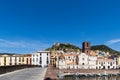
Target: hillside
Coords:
[[64, 47], [71, 47], [104, 48]]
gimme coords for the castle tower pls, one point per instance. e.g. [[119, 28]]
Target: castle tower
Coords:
[[86, 47]]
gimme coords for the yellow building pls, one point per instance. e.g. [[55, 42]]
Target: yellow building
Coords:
[[28, 59], [15, 59], [25, 59], [21, 59], [119, 61], [4, 60]]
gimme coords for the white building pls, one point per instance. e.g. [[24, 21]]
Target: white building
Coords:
[[92, 62], [61, 64], [83, 61], [106, 64], [41, 58], [67, 61]]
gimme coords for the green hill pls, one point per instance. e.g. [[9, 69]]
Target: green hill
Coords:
[[71, 47], [64, 47], [105, 49]]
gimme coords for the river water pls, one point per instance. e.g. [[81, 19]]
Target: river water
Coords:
[[74, 77]]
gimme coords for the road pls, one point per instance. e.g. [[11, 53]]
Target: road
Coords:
[[25, 74]]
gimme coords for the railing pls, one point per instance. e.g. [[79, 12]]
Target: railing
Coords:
[[5, 69]]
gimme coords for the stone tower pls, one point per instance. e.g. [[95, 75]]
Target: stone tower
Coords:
[[86, 48]]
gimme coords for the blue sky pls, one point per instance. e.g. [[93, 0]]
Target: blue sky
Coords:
[[30, 25]]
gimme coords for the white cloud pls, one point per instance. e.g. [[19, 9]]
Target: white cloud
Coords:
[[24, 44], [113, 41]]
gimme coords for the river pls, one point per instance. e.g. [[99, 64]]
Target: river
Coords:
[[74, 77]]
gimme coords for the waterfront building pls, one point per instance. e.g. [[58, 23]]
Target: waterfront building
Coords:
[[28, 59], [83, 61], [86, 61], [21, 59], [118, 61], [61, 62], [12, 60], [106, 64], [4, 60], [67, 61], [41, 58], [92, 62], [17, 59]]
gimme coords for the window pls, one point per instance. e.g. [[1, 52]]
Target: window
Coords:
[[69, 57], [83, 63], [4, 61], [82, 58], [10, 61], [36, 59], [19, 59], [101, 64], [47, 59], [15, 60], [22, 59], [47, 62], [33, 60], [40, 62], [27, 60], [111, 64], [37, 55], [40, 58]]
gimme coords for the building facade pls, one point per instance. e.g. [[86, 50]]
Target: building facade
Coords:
[[83, 61], [67, 61], [106, 64], [41, 58]]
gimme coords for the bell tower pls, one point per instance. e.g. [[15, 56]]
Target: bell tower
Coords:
[[86, 47]]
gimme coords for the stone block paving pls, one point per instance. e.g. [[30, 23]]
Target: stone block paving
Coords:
[[51, 73]]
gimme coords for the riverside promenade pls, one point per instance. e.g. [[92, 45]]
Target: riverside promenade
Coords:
[[52, 73], [90, 71], [36, 73]]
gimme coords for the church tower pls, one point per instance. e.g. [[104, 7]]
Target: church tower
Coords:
[[86, 47]]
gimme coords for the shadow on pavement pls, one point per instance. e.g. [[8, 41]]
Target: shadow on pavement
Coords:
[[49, 79]]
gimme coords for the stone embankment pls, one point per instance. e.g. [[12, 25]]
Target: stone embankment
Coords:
[[90, 71]]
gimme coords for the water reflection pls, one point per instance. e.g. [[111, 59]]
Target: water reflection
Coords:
[[74, 77]]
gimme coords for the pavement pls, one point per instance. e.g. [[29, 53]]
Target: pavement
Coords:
[[51, 73], [25, 74]]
